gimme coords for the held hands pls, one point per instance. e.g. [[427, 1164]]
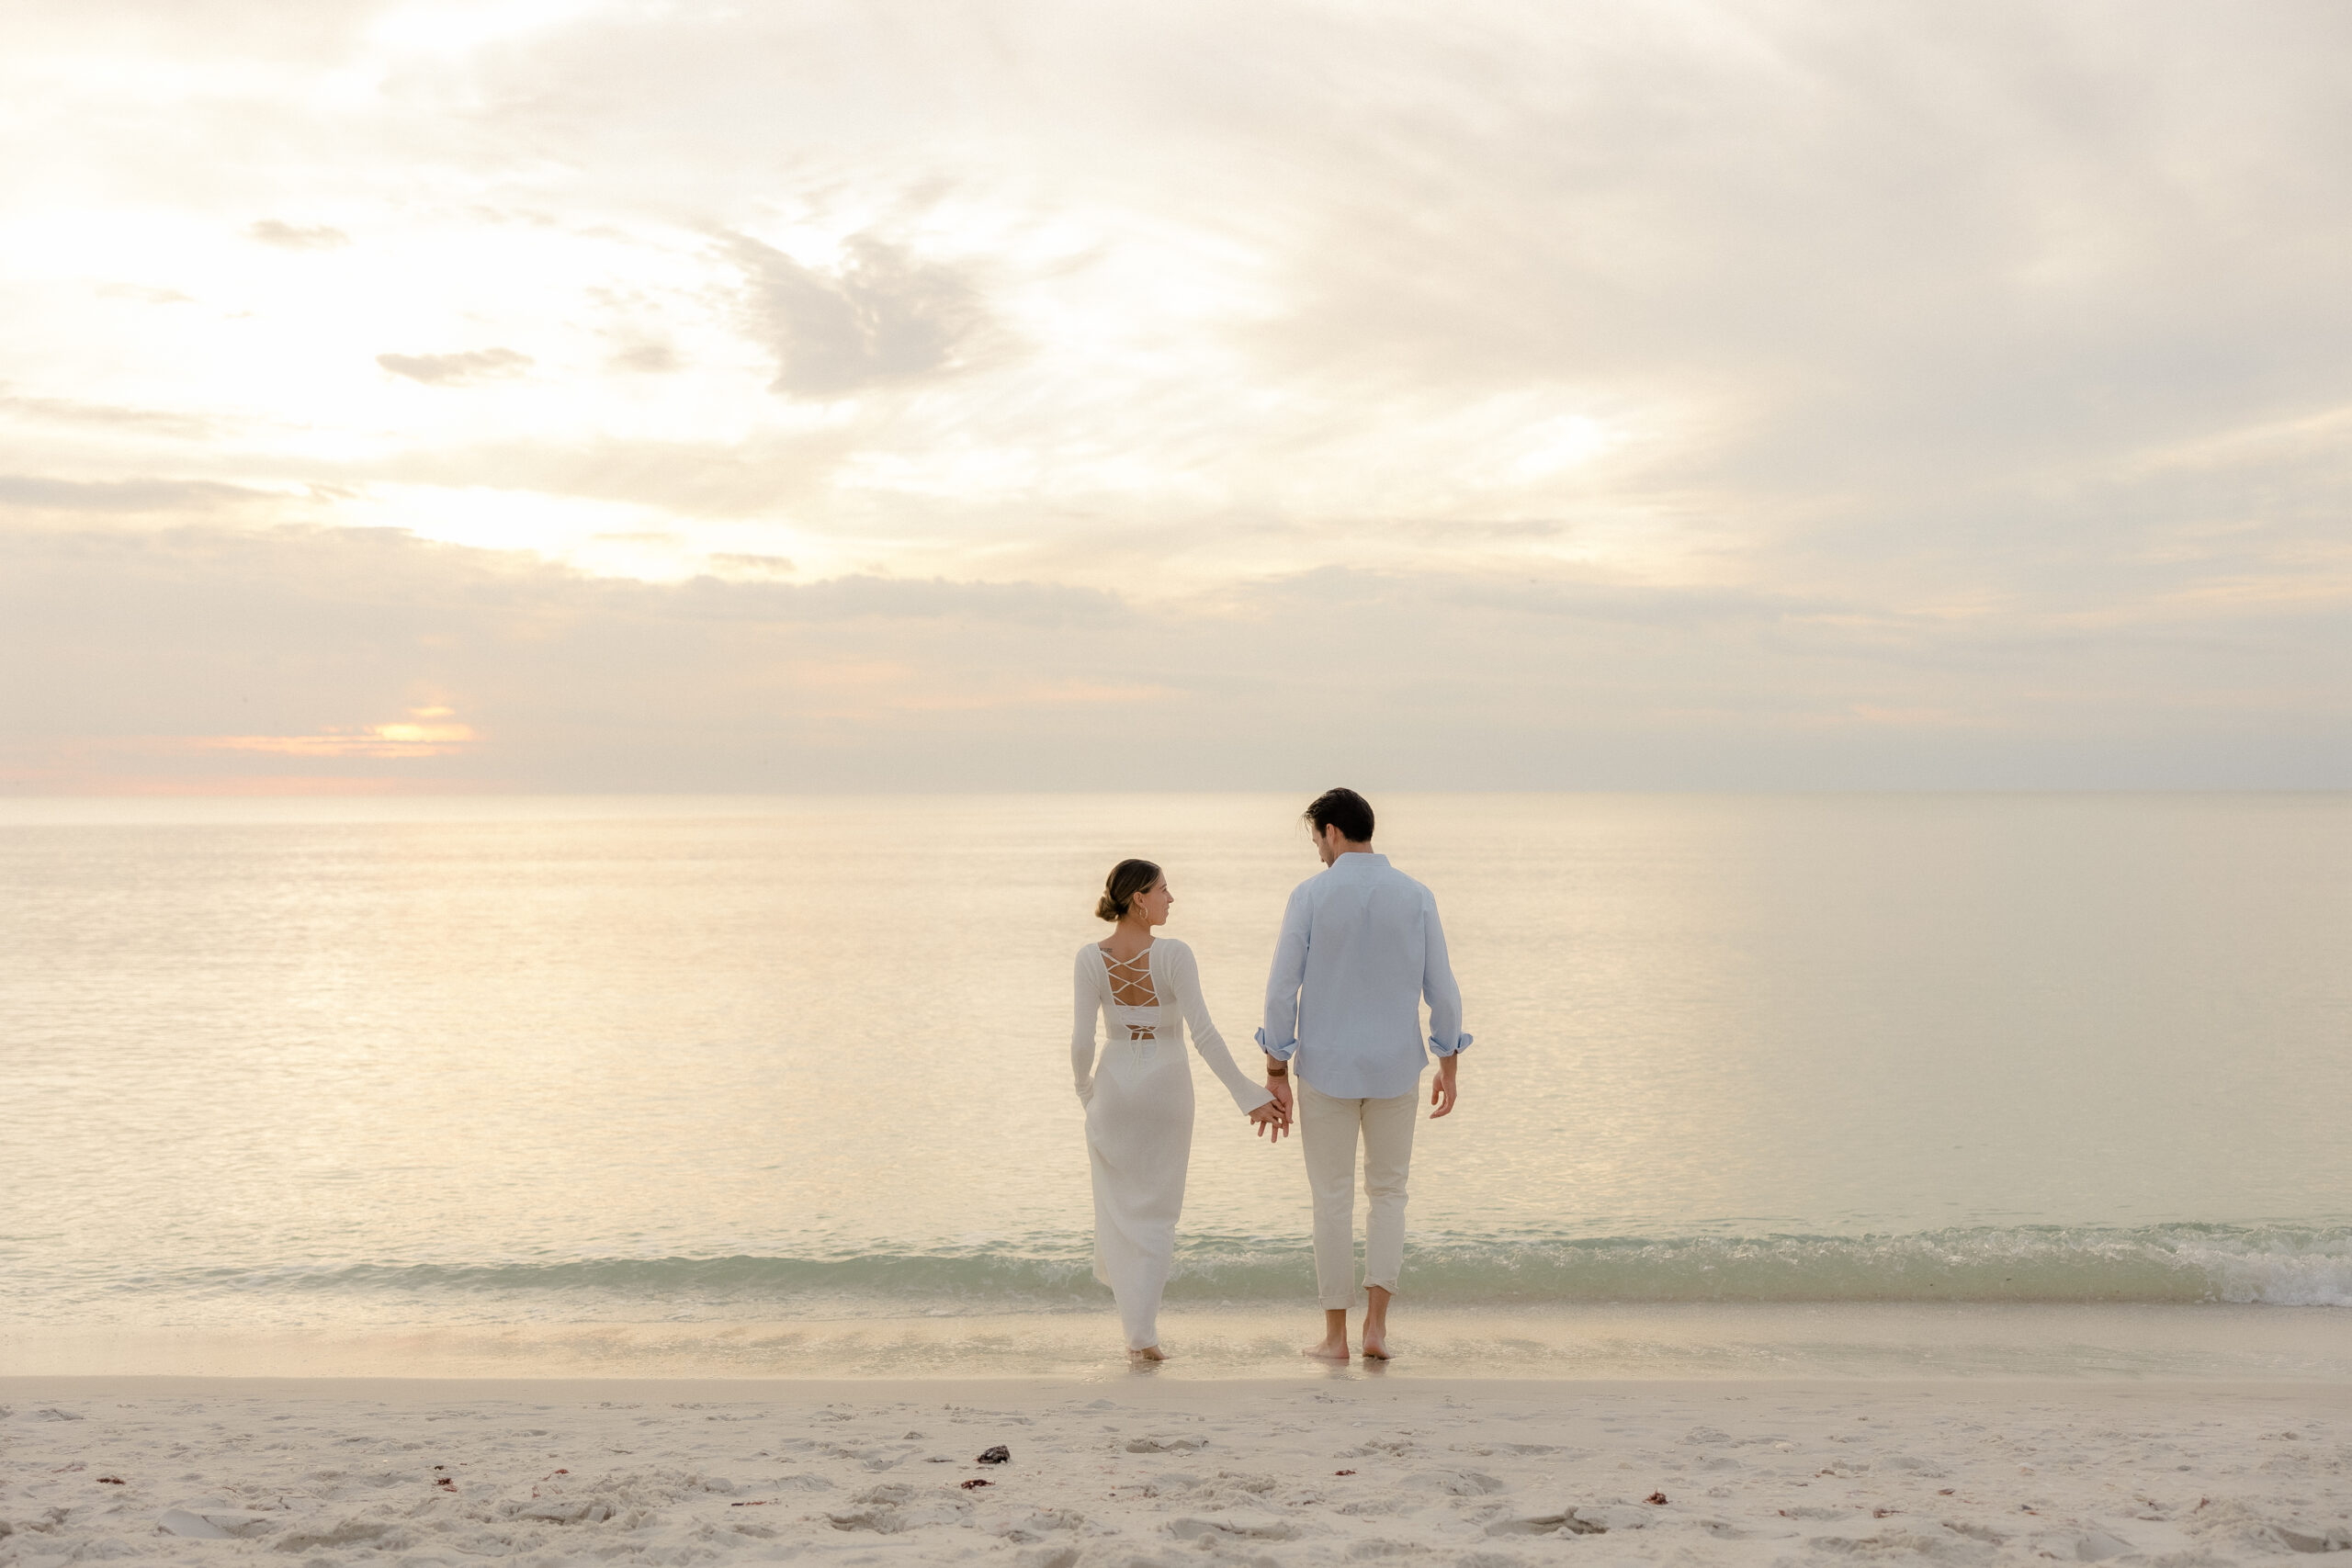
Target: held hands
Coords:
[[1275, 1113], [1278, 1084]]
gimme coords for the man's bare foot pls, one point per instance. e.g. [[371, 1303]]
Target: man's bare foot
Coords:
[[1148, 1353], [1375, 1324], [1334, 1347]]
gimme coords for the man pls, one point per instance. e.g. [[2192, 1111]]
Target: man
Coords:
[[1360, 946]]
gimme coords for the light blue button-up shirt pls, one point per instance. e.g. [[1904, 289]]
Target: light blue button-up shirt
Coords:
[[1360, 946]]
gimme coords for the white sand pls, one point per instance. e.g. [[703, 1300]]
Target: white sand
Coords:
[[1141, 1469]]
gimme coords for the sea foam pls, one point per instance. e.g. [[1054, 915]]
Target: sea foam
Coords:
[[2273, 1266]]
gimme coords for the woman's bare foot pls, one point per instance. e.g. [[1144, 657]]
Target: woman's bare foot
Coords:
[[1376, 1342], [1148, 1353], [1334, 1347]]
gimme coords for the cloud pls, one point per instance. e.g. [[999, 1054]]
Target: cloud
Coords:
[[71, 411], [647, 358], [688, 477], [233, 30], [199, 654], [880, 318], [146, 293], [33, 493], [297, 237], [1739, 394], [735, 564], [460, 369], [198, 658]]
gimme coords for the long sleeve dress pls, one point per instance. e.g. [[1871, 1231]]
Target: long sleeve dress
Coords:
[[1138, 1100]]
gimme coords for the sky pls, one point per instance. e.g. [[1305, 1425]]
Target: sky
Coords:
[[662, 395]]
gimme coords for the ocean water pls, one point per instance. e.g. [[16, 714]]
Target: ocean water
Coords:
[[783, 1084]]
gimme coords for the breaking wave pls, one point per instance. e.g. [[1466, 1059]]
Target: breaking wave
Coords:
[[2276, 1266]]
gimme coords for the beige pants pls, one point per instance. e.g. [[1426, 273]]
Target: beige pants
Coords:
[[1328, 1128]]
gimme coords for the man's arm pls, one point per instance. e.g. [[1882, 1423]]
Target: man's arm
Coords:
[[1446, 1039], [1279, 1037]]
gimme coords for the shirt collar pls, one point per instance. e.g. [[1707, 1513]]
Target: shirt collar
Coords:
[[1366, 855]]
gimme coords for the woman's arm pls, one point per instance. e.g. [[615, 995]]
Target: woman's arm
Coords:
[[1085, 1006], [1185, 974]]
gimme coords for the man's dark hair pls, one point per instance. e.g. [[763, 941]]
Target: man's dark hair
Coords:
[[1344, 809]]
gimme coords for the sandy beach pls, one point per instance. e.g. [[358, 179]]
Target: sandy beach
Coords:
[[1140, 1469]]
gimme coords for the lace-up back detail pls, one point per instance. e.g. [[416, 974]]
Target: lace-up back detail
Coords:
[[1134, 998]]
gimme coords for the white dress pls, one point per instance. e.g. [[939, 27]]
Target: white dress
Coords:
[[1138, 1100]]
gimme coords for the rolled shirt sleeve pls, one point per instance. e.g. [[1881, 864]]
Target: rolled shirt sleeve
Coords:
[[1438, 985]]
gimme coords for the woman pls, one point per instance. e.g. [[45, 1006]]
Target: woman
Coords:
[[1139, 1098]]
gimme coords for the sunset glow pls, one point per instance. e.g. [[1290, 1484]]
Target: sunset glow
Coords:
[[425, 734], [1618, 398]]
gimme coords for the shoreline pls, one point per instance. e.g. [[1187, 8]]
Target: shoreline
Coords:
[[1850, 1341], [1141, 1386]]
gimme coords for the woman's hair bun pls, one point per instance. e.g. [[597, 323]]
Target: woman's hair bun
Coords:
[[1127, 878]]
